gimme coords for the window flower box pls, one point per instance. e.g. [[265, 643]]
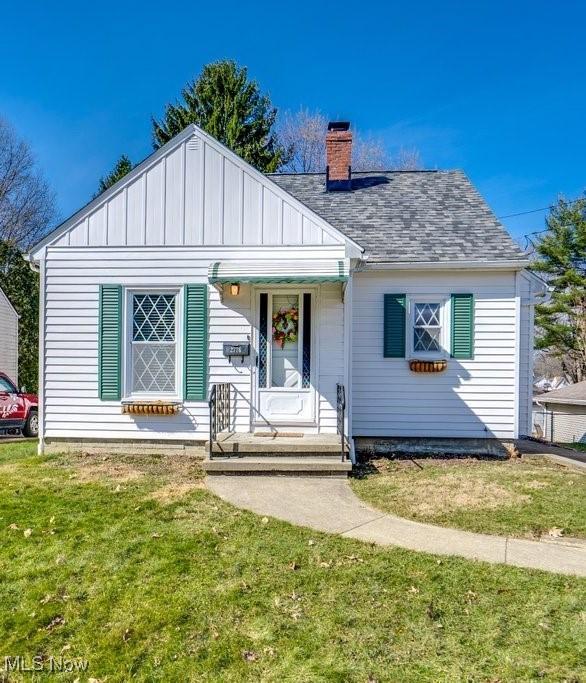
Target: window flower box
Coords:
[[427, 365], [151, 408]]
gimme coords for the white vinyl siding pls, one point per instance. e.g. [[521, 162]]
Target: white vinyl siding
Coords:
[[73, 276], [330, 356], [471, 398], [8, 339], [527, 289]]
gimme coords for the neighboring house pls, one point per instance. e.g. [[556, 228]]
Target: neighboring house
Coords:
[[197, 270], [8, 338], [544, 384], [564, 414]]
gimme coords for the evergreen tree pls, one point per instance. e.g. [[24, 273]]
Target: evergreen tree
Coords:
[[228, 106], [121, 168], [21, 286], [561, 257]]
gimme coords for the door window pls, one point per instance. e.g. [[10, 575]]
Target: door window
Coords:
[[285, 356]]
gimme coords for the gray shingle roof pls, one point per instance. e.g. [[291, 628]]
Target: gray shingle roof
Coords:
[[400, 216], [574, 393]]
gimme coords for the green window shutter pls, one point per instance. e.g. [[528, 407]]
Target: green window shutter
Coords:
[[462, 326], [394, 326], [196, 342], [110, 343]]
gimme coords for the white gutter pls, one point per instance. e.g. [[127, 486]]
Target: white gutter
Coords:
[[563, 401], [518, 264]]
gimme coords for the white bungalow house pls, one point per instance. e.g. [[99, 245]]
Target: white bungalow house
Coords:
[[388, 309]]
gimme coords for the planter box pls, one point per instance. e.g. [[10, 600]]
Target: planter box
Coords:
[[151, 408], [427, 365]]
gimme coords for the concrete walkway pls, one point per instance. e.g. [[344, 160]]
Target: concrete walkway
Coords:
[[329, 504], [564, 456]]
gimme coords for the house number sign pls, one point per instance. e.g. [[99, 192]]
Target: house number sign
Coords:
[[236, 349]]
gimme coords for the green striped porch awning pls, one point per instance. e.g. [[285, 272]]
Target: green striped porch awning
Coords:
[[279, 272]]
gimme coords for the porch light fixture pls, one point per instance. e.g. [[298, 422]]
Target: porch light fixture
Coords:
[[235, 289]]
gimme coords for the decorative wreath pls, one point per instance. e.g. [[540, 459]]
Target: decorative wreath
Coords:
[[285, 325]]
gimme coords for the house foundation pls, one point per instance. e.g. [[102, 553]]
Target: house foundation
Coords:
[[367, 447]]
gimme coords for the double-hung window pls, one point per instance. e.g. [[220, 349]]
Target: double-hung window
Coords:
[[428, 327], [153, 343]]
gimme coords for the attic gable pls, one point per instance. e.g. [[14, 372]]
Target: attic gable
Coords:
[[194, 191]]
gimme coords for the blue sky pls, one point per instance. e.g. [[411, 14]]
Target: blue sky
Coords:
[[495, 88]]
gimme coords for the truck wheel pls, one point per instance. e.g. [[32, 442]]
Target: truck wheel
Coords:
[[31, 428]]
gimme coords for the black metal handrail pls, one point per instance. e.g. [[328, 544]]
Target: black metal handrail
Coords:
[[220, 411], [340, 415]]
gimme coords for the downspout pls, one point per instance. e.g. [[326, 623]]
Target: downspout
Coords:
[[33, 266], [537, 296], [40, 269], [548, 416]]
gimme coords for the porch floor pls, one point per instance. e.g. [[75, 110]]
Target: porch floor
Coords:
[[240, 443], [301, 454]]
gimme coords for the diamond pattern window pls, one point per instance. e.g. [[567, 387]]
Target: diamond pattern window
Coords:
[[154, 344], [427, 328]]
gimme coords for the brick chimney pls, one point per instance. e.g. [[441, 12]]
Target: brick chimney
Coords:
[[338, 156]]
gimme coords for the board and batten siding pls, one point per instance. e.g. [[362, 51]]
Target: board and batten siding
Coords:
[[8, 338], [471, 398], [72, 279], [198, 193]]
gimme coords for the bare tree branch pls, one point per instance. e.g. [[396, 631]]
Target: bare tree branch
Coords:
[[302, 134], [407, 160], [27, 205]]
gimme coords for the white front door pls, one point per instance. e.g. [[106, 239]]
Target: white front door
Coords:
[[284, 376]]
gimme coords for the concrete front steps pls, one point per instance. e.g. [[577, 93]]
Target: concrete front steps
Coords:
[[277, 453]]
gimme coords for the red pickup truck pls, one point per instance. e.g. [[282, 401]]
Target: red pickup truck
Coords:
[[18, 410]]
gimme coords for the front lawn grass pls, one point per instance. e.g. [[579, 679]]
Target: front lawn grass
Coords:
[[131, 564], [527, 497]]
